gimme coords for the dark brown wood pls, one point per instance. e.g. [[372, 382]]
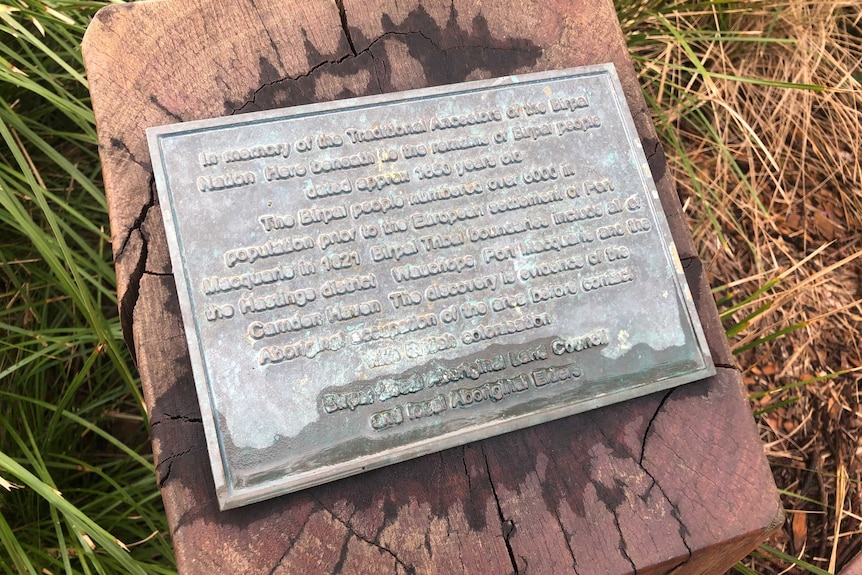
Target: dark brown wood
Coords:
[[670, 482]]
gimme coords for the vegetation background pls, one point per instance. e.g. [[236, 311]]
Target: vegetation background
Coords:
[[759, 105]]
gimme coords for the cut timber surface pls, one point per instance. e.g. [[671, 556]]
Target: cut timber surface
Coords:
[[674, 482]]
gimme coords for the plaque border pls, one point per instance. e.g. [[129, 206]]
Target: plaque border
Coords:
[[231, 497]]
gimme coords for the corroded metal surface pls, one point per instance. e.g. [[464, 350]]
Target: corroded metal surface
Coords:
[[370, 280]]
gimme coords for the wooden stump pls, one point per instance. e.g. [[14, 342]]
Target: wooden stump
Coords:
[[670, 482]]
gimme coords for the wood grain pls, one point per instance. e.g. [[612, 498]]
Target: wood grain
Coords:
[[674, 482]]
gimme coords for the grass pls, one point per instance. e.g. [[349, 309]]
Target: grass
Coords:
[[79, 490], [758, 105]]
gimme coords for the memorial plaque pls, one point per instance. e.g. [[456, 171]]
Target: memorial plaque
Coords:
[[370, 280]]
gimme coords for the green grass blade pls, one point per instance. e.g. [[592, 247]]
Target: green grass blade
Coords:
[[20, 558], [808, 567], [87, 528]]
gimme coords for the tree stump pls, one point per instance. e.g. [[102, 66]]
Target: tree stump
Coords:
[[673, 482]]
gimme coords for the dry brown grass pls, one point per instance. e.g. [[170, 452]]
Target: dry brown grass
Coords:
[[780, 198]]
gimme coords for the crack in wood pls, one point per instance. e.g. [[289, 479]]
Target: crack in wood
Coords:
[[367, 50], [158, 274], [339, 565], [142, 215], [342, 14], [507, 526], [687, 261], [649, 426], [130, 298], [409, 569], [287, 79], [175, 417], [466, 471], [655, 149], [282, 558], [427, 543], [267, 32], [555, 508], [133, 286], [565, 535], [605, 495], [674, 508], [187, 518], [675, 513], [169, 461], [376, 75], [173, 115], [118, 144], [291, 543], [449, 533]]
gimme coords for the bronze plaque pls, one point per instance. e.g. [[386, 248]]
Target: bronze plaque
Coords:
[[370, 280]]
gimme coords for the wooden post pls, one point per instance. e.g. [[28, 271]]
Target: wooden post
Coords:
[[671, 482]]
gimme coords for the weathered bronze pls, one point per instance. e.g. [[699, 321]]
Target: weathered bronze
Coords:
[[370, 280]]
